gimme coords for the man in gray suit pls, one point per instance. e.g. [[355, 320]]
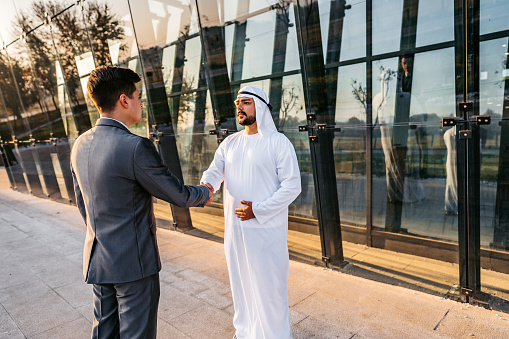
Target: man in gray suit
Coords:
[[115, 174]]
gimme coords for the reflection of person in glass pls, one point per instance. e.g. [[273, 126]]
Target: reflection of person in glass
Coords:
[[451, 184], [261, 178], [405, 76], [392, 107], [115, 174]]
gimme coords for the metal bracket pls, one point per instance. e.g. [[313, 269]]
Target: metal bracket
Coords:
[[466, 106], [466, 134], [466, 291], [449, 122], [482, 119]]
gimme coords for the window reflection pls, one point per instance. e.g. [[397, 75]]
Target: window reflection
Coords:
[[387, 19], [494, 101], [493, 17], [435, 22], [259, 45], [350, 143]]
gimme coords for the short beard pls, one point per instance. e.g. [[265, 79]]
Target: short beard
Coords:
[[247, 121]]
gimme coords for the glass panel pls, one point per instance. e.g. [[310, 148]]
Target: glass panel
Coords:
[[410, 149], [387, 17], [435, 22], [353, 42], [324, 12], [196, 151], [494, 16], [259, 45], [112, 38], [350, 144], [353, 38], [74, 63], [291, 115], [258, 5], [292, 61], [493, 85]]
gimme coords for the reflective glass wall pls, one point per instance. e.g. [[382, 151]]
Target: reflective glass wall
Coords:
[[388, 71]]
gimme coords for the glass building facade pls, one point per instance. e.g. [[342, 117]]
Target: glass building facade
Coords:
[[359, 87]]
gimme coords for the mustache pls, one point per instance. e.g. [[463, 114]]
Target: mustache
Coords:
[[241, 112]]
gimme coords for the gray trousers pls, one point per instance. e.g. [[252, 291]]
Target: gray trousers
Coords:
[[127, 310]]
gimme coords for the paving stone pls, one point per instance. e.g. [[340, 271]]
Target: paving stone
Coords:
[[87, 311], [474, 322], [36, 309], [212, 298], [314, 328], [203, 279], [167, 331], [64, 273], [76, 329], [205, 322], [7, 325], [14, 273], [76, 294], [173, 303]]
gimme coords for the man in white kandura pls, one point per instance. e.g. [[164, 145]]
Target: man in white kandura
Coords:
[[261, 178]]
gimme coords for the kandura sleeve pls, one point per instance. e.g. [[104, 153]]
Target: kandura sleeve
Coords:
[[155, 177], [288, 174], [214, 175]]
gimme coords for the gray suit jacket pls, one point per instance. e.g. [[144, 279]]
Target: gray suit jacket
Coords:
[[115, 174]]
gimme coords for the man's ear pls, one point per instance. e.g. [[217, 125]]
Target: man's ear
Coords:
[[123, 101]]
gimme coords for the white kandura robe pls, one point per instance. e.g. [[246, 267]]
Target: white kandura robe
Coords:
[[263, 169]]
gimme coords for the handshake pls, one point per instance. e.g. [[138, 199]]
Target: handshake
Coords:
[[243, 214], [211, 192]]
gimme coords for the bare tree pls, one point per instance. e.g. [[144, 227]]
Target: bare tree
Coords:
[[290, 95]]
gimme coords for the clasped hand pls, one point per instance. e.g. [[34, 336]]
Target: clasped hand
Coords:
[[211, 192], [245, 213]]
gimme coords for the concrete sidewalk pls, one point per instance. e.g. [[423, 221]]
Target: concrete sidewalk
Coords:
[[42, 293]]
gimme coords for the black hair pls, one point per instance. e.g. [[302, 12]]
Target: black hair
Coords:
[[107, 83]]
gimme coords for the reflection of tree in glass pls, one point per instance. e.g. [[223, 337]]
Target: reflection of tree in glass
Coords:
[[41, 55], [359, 92], [8, 87], [71, 40], [289, 96], [186, 98], [103, 26]]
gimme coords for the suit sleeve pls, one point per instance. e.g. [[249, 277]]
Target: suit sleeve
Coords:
[[79, 197], [155, 177]]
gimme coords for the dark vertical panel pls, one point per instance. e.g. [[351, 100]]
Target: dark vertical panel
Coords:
[[474, 152], [239, 45], [151, 59], [369, 120], [279, 58], [322, 155], [461, 94], [177, 82], [213, 41], [337, 14]]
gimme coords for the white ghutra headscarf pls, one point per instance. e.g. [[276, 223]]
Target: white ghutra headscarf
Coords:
[[263, 115]]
